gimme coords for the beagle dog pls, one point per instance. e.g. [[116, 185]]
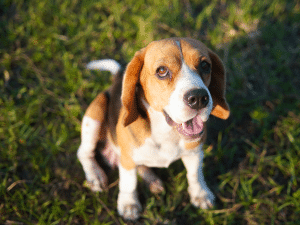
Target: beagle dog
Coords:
[[153, 114]]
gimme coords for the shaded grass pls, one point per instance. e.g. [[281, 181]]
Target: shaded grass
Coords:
[[252, 160]]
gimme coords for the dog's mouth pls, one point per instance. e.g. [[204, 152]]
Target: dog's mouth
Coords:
[[190, 129]]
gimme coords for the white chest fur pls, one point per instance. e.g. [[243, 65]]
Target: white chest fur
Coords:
[[163, 147]]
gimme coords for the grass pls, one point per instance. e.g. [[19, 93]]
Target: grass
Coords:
[[252, 160]]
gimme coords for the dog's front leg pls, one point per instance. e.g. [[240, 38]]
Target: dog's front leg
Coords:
[[128, 204], [200, 194]]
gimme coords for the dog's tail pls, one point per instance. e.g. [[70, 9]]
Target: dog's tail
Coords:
[[105, 65]]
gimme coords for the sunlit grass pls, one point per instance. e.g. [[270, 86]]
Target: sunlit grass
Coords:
[[252, 160]]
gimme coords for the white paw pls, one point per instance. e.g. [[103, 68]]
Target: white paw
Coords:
[[96, 178], [129, 206], [204, 199]]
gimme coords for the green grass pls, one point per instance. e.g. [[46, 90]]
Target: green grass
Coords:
[[252, 160]]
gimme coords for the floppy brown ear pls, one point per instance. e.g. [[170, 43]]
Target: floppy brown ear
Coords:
[[130, 80], [217, 88]]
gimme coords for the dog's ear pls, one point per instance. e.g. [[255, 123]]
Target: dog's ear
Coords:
[[130, 80], [217, 87]]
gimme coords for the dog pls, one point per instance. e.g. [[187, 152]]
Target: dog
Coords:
[[153, 114]]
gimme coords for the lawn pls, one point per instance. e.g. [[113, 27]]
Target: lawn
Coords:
[[252, 161]]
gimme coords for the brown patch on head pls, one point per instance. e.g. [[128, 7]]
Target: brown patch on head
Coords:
[[194, 52], [142, 70], [160, 53]]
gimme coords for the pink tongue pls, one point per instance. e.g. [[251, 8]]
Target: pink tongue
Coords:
[[194, 127]]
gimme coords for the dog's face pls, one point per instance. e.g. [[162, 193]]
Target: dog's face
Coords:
[[178, 78]]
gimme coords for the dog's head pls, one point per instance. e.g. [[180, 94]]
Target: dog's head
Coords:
[[181, 78]]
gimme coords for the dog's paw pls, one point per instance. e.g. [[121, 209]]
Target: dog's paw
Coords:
[[129, 206], [96, 178], [156, 187], [151, 179], [131, 212], [204, 199]]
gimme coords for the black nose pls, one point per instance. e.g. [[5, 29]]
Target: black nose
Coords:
[[196, 98]]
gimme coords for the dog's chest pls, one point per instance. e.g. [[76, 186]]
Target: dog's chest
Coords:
[[161, 148]]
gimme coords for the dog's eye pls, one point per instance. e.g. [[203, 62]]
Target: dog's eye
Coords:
[[205, 67], [162, 72]]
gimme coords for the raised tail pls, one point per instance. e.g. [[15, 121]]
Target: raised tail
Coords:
[[105, 65]]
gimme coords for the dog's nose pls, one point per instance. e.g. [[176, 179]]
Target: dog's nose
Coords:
[[196, 98]]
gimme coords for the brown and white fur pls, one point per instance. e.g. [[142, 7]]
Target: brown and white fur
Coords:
[[153, 114]]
